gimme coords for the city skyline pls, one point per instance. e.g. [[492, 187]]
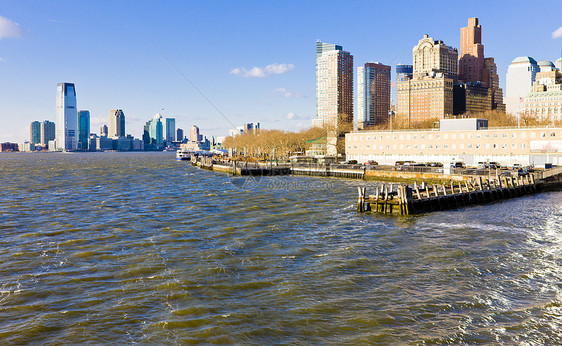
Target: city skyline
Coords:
[[260, 69]]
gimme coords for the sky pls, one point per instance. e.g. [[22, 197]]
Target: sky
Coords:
[[219, 64]]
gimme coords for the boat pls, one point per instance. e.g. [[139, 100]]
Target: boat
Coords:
[[184, 154]]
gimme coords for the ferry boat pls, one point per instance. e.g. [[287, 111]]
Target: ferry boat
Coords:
[[184, 154]]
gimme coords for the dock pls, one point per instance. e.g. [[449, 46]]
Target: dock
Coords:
[[242, 168], [406, 200]]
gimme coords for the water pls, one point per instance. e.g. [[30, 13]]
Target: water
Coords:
[[139, 248]]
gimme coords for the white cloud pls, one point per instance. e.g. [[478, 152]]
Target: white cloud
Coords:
[[294, 116], [261, 72], [9, 28], [288, 93], [557, 33]]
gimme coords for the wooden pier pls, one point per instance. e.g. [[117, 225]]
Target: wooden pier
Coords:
[[241, 167], [405, 200]]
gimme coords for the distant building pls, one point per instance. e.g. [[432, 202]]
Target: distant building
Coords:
[[558, 64], [471, 61], [169, 129], [153, 135], [48, 133], [35, 132], [116, 123], [83, 129], [246, 128], [470, 142], [104, 131], [7, 146], [518, 81], [544, 101], [429, 93], [179, 135], [373, 94], [334, 86], [194, 135], [27, 146], [471, 97], [66, 117], [404, 72]]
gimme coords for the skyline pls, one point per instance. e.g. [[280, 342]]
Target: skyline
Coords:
[[254, 62]]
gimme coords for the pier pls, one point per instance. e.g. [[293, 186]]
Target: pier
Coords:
[[242, 168], [406, 200]]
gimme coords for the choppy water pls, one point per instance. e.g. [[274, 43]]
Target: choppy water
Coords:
[[139, 248]]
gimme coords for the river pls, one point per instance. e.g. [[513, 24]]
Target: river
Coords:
[[116, 248]]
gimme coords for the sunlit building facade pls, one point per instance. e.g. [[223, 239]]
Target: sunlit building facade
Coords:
[[373, 94], [66, 117]]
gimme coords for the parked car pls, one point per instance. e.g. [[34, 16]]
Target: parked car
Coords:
[[371, 162], [522, 172], [351, 162]]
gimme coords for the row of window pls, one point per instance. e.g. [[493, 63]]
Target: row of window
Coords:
[[445, 146], [460, 136]]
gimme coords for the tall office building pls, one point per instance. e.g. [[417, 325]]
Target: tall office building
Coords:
[[153, 135], [103, 131], [179, 135], [546, 66], [373, 94], [169, 129], [429, 93], [66, 117], [83, 129], [48, 133], [194, 135], [35, 132], [404, 72], [116, 123], [471, 62], [334, 86], [518, 81]]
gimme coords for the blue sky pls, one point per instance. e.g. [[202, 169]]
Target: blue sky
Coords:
[[253, 60]]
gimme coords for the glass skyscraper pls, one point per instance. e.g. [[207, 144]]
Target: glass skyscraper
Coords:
[[153, 132], [35, 132], [83, 129], [47, 132], [66, 117], [169, 129]]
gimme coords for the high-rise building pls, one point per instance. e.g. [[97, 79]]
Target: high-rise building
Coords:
[[169, 129], [373, 94], [471, 62], [429, 93], [83, 129], [334, 86], [404, 72], [103, 131], [66, 117], [153, 135], [493, 79], [546, 66], [179, 135], [35, 132], [116, 123], [48, 133], [194, 135], [518, 81]]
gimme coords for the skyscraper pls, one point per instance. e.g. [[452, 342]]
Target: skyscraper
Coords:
[[116, 123], [153, 132], [47, 133], [194, 135], [103, 131], [66, 117], [428, 94], [83, 129], [35, 132], [373, 94], [471, 62], [334, 86], [518, 81], [169, 129], [179, 135]]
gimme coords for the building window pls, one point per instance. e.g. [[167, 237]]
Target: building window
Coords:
[[523, 145], [513, 146]]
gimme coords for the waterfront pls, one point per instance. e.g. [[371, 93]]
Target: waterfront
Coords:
[[138, 247]]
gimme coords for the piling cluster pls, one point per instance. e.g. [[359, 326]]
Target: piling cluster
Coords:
[[405, 200]]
